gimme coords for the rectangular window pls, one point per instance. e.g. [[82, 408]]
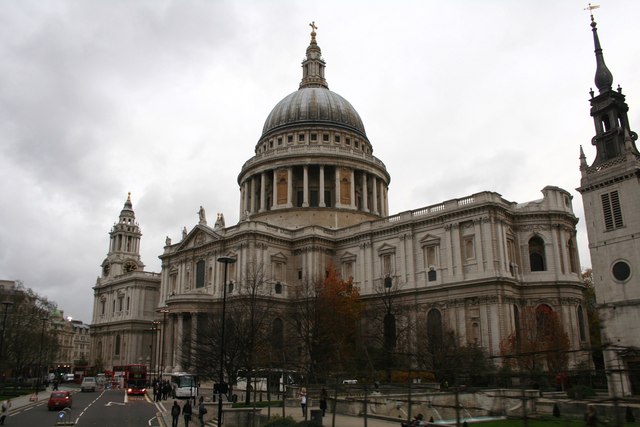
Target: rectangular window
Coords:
[[336, 139], [200, 274], [325, 137], [387, 268], [290, 139], [301, 137], [347, 270], [314, 137], [612, 210], [430, 257], [279, 140], [299, 274]]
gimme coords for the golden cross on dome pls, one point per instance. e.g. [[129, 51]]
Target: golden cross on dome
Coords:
[[313, 31]]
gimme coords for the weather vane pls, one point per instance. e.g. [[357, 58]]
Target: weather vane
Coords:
[[591, 8]]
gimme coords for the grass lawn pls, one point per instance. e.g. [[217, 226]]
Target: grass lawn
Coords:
[[549, 422]]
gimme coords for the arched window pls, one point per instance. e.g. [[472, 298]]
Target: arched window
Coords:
[[581, 329], [543, 313], [434, 330], [516, 320], [573, 257], [278, 288], [537, 259]]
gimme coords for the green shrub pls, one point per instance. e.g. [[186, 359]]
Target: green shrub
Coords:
[[580, 392], [280, 422]]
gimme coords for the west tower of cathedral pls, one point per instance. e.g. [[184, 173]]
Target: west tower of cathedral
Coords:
[[125, 298], [611, 193], [313, 195]]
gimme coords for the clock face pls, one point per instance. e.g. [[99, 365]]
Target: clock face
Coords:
[[106, 269], [130, 266]]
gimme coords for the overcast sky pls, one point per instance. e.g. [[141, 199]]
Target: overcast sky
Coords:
[[166, 99]]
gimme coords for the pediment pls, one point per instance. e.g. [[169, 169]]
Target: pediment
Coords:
[[429, 239], [386, 249], [348, 256], [279, 257], [200, 235]]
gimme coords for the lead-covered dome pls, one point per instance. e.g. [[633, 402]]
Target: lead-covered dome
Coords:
[[314, 104]]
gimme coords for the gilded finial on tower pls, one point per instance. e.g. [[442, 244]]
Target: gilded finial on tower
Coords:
[[313, 31]]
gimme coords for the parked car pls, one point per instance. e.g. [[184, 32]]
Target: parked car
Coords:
[[59, 400], [88, 384]]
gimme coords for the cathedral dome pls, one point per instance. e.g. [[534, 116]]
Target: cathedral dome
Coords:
[[317, 105]]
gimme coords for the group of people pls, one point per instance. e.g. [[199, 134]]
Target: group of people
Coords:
[[161, 389], [323, 400], [187, 412]]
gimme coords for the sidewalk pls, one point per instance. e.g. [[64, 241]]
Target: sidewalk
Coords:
[[293, 412], [25, 400]]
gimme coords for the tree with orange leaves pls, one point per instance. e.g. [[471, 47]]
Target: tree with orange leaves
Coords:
[[328, 322], [539, 342]]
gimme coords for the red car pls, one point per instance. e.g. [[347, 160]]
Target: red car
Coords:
[[59, 400]]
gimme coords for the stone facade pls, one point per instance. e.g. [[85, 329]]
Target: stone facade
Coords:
[[313, 195]]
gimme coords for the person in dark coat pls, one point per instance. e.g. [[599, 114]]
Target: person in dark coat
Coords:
[[175, 414], [186, 412]]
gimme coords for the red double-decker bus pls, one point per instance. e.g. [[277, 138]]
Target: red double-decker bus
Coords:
[[134, 377]]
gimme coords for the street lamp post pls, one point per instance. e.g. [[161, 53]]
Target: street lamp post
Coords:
[[164, 312], [389, 325], [154, 348], [39, 372], [226, 260], [6, 304]]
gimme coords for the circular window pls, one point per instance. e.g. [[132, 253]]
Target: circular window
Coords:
[[621, 271]]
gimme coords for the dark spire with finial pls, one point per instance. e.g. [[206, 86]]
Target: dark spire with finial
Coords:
[[609, 112], [604, 78], [313, 65]]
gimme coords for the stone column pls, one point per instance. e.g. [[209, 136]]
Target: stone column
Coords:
[[274, 190], [337, 205], [365, 201], [252, 196], [290, 187], [177, 349], [322, 202], [263, 192], [374, 186], [353, 189], [305, 186]]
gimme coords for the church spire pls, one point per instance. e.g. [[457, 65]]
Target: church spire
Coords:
[[313, 65], [609, 110], [604, 78]]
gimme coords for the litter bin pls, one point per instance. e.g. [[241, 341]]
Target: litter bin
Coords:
[[316, 416]]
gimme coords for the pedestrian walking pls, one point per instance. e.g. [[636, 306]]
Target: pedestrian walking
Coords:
[[323, 400], [202, 411], [175, 414], [186, 412], [303, 401], [6, 407]]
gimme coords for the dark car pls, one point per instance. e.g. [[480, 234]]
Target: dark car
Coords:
[[59, 400]]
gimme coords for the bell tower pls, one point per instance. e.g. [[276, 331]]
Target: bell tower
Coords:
[[610, 191], [124, 244]]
